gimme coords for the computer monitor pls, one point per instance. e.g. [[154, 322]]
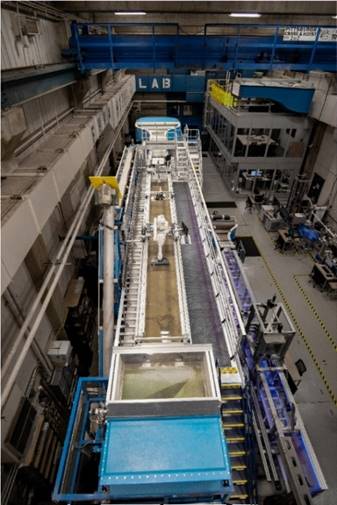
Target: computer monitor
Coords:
[[255, 173]]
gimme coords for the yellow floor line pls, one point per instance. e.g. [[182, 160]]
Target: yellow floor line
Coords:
[[315, 313], [300, 332]]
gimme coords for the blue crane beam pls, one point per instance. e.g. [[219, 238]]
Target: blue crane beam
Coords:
[[244, 47]]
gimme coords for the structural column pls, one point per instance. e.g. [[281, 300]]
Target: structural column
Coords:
[[108, 290], [106, 190]]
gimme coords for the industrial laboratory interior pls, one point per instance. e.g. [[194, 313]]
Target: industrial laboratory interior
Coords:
[[169, 252]]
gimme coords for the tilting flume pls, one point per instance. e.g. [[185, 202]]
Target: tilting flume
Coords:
[[159, 429]]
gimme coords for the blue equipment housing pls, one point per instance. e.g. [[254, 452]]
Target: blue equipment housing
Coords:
[[307, 233], [294, 99], [172, 133], [165, 457]]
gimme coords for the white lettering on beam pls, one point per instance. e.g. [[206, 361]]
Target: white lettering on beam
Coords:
[[166, 83]]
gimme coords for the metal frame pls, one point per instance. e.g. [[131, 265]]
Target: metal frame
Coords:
[[78, 416], [132, 227], [265, 321], [162, 349], [239, 49], [272, 424], [235, 165], [141, 303], [277, 423]]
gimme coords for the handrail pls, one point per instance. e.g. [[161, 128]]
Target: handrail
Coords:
[[216, 245], [219, 276]]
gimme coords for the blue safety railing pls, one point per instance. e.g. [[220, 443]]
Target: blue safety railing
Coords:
[[237, 48]]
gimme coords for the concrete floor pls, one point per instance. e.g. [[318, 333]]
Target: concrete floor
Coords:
[[314, 315]]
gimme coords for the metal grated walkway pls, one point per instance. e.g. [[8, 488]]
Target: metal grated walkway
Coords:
[[200, 297]]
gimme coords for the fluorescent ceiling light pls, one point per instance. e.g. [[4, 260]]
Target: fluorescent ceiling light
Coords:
[[130, 13], [334, 17], [245, 15]]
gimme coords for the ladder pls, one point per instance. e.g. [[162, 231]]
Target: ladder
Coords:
[[234, 426]]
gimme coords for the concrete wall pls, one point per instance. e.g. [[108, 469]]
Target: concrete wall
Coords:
[[19, 50], [23, 287], [41, 111]]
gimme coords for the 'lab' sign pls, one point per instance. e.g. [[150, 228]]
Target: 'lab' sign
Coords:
[[158, 83], [192, 85]]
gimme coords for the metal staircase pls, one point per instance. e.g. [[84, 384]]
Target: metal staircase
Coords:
[[181, 161], [234, 422]]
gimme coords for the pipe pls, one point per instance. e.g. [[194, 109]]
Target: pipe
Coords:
[[19, 319], [108, 298], [45, 12]]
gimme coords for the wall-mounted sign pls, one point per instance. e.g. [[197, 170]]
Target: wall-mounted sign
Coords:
[[193, 86], [153, 83], [309, 34], [328, 35]]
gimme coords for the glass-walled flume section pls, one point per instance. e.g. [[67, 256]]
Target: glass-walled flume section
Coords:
[[163, 376], [163, 379]]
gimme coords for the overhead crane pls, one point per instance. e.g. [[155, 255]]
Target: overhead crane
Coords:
[[230, 47], [192, 389]]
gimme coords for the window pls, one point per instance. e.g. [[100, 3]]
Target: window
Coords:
[[256, 149], [291, 132], [240, 149], [275, 149]]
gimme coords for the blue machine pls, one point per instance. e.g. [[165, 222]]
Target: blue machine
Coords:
[[308, 233], [95, 45], [174, 131]]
